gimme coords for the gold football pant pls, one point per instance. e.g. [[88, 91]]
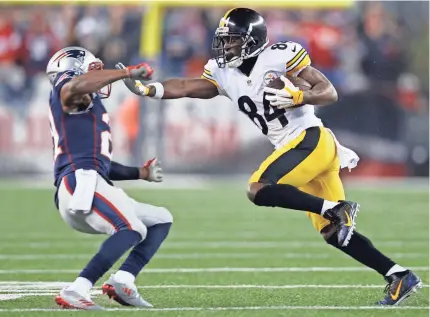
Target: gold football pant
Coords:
[[310, 163]]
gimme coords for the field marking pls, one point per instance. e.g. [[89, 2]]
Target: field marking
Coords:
[[53, 287], [25, 244], [216, 270], [248, 255], [5, 310]]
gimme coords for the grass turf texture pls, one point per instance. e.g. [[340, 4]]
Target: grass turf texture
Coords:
[[219, 228]]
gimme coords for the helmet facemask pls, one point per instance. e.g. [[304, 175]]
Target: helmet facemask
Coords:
[[232, 48]]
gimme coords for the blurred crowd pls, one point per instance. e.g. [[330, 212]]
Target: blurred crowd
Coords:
[[376, 44], [383, 45], [30, 35]]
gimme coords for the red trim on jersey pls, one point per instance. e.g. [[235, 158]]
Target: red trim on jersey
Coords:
[[114, 209], [95, 141], [66, 183], [105, 218], [66, 148]]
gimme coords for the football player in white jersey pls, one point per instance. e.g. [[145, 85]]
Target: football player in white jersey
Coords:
[[303, 171]]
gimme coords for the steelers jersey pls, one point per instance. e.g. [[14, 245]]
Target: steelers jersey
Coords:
[[280, 125]]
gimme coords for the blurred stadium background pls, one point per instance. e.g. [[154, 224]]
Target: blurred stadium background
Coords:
[[239, 255], [375, 53]]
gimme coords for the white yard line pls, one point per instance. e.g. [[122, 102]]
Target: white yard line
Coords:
[[248, 255], [89, 244], [52, 288], [230, 308], [216, 270]]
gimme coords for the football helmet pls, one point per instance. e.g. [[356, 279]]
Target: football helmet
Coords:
[[78, 59], [241, 34]]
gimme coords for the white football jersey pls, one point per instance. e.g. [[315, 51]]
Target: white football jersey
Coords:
[[282, 58]]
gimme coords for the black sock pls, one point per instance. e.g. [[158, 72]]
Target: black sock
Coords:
[[361, 249], [287, 196]]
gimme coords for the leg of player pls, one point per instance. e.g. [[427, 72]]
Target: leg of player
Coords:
[[277, 181], [290, 197], [110, 252], [401, 282], [113, 216], [121, 285]]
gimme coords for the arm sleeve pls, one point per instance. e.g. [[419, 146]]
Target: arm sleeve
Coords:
[[297, 59], [119, 172]]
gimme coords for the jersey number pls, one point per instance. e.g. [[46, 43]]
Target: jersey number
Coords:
[[270, 113], [280, 46], [105, 138], [106, 144]]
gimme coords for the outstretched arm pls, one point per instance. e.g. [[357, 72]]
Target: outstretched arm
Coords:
[[173, 88], [75, 89], [181, 87]]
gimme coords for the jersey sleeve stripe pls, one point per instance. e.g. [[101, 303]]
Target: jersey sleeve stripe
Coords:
[[208, 72], [295, 58], [208, 76], [298, 62], [211, 80]]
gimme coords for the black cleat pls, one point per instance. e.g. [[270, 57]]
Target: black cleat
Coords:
[[343, 215], [400, 288]]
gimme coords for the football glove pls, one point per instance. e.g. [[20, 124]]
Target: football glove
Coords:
[[286, 97], [155, 171], [134, 85]]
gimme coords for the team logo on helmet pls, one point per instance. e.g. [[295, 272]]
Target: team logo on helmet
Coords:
[[78, 54]]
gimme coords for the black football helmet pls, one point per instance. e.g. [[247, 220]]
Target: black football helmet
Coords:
[[241, 34]]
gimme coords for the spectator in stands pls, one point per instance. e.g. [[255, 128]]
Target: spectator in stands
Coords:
[[11, 74]]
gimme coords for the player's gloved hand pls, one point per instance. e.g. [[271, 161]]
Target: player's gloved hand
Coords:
[[135, 85], [152, 171], [287, 97]]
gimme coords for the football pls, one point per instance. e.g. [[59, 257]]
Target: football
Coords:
[[298, 82]]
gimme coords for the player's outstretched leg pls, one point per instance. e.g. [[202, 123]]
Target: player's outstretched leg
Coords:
[[121, 285], [342, 213], [401, 282], [77, 294]]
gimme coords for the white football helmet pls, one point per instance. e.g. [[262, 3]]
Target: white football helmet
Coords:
[[77, 59]]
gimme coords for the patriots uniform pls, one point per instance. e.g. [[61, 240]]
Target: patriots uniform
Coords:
[[81, 140]]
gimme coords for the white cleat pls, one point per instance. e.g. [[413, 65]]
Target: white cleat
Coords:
[[126, 295], [70, 299]]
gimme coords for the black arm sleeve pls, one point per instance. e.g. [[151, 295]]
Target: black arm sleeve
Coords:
[[119, 172]]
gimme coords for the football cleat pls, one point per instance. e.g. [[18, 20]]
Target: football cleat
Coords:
[[400, 288], [123, 294], [70, 299], [343, 215]]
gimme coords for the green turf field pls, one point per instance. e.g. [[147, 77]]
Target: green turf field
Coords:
[[224, 257]]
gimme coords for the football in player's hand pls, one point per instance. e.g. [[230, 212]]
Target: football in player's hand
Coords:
[[298, 82]]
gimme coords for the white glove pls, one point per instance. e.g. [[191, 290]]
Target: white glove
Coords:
[[155, 172], [134, 85], [286, 97]]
